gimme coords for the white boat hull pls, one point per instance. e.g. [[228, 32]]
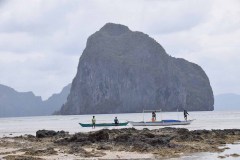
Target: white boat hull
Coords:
[[160, 123]]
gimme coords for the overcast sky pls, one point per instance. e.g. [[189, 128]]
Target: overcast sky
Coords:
[[41, 40]]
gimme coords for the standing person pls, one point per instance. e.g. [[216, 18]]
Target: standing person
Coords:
[[153, 116], [116, 121], [93, 122], [185, 113]]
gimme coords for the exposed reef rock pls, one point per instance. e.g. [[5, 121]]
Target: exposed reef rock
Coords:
[[160, 143], [124, 71]]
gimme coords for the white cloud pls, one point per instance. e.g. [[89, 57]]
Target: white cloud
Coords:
[[46, 73], [41, 41]]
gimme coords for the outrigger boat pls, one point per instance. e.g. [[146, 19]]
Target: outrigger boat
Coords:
[[159, 123], [103, 124]]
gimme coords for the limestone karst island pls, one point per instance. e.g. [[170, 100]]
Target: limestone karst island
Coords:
[[124, 71], [115, 79]]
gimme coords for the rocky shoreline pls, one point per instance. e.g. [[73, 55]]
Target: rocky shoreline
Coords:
[[116, 144]]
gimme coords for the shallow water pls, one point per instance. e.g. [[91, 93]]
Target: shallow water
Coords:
[[233, 148], [29, 125], [203, 120]]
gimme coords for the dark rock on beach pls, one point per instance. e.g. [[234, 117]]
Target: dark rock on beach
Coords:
[[50, 133], [124, 71], [159, 141], [164, 142], [99, 136], [40, 152]]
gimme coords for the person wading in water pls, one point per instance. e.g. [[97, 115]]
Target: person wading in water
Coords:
[[93, 122], [116, 121], [185, 113], [153, 116]]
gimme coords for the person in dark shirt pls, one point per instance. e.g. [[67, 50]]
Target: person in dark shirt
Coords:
[[185, 113], [116, 121], [153, 116], [93, 122]]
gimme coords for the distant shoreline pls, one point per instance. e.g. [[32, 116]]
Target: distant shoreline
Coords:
[[117, 143]]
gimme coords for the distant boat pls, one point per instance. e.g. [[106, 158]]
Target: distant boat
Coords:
[[103, 124], [161, 123]]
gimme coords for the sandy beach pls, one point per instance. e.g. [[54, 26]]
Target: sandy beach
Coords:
[[127, 143]]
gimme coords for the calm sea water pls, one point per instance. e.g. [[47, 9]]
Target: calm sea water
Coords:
[[203, 120], [29, 125]]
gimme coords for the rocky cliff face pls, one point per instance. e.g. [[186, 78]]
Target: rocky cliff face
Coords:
[[125, 71]]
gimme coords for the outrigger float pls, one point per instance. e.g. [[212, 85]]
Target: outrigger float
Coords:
[[159, 123]]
